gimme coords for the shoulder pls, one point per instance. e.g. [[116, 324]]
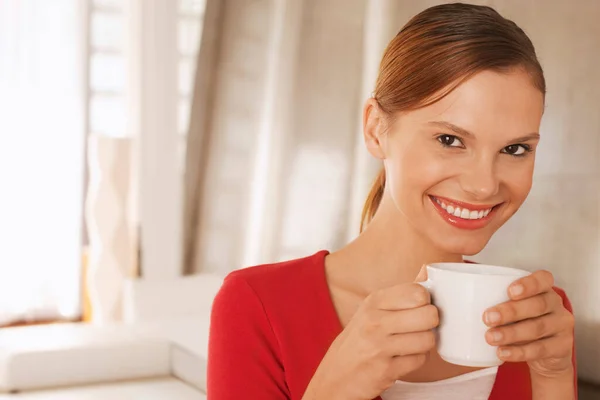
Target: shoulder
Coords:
[[278, 271], [255, 309], [270, 283], [297, 272]]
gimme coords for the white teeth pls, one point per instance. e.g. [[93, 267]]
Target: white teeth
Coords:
[[463, 212]]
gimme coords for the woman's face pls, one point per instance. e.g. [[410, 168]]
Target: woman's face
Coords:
[[460, 168]]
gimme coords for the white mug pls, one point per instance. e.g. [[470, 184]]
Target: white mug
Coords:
[[462, 292]]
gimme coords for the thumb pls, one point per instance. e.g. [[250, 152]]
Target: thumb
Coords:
[[422, 275]]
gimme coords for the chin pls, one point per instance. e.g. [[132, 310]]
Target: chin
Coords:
[[463, 246]]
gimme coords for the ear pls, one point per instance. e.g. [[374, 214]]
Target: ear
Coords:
[[373, 128]]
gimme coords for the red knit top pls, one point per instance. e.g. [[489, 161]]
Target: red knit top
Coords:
[[271, 326]]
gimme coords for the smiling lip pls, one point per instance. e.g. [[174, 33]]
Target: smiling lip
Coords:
[[464, 215]]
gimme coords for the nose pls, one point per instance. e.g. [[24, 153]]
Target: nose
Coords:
[[480, 181]]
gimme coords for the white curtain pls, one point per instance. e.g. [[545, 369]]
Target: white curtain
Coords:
[[41, 158]]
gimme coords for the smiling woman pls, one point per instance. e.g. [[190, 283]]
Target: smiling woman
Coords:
[[454, 119]]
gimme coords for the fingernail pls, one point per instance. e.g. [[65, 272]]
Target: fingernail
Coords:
[[504, 353], [497, 336], [516, 290], [492, 317]]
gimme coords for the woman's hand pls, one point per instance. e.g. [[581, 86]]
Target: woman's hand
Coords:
[[389, 336], [533, 326]]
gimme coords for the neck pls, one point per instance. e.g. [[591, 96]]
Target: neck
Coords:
[[389, 251]]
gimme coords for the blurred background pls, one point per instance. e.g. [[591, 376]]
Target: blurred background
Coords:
[[149, 147]]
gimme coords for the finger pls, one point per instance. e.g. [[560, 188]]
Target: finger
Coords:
[[518, 310], [526, 331], [413, 320], [559, 346], [531, 285], [400, 297], [405, 344]]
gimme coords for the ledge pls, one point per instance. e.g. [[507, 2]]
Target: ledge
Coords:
[[38, 357], [189, 346]]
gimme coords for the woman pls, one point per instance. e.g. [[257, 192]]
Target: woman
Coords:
[[454, 118]]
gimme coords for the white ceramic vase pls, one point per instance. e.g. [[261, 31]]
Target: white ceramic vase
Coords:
[[110, 242]]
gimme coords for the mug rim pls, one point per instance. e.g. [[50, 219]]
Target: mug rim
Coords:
[[491, 270]]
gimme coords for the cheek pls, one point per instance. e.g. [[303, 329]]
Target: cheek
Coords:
[[519, 181], [414, 174]]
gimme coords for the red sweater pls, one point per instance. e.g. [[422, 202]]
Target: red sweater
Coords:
[[271, 326]]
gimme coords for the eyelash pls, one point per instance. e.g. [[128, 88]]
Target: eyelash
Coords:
[[526, 148]]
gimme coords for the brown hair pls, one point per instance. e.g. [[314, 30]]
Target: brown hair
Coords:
[[436, 51]]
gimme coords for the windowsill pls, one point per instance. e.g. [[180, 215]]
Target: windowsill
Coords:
[[171, 342]]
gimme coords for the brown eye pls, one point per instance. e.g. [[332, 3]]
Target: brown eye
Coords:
[[449, 141], [516, 149]]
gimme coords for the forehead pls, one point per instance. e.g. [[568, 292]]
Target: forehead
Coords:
[[489, 102]]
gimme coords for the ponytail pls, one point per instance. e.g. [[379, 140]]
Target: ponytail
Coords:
[[373, 200]]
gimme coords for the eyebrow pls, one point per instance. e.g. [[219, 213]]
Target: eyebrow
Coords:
[[463, 132]]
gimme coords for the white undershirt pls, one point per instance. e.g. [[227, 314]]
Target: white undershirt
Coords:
[[475, 385]]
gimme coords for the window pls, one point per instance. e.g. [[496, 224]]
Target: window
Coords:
[[64, 75], [42, 158]]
